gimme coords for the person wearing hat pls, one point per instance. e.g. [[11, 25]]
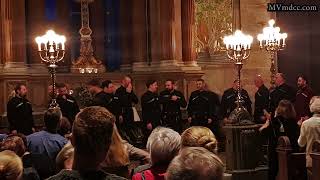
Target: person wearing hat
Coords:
[[310, 130]]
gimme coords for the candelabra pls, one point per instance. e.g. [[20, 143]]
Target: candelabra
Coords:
[[51, 49], [86, 63], [238, 48], [272, 41]]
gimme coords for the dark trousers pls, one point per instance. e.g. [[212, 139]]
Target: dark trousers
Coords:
[[172, 121]]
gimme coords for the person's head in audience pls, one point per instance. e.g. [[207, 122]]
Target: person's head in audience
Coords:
[[91, 137], [152, 85], [286, 110], [163, 145], [315, 105], [126, 81], [117, 160], [199, 136], [94, 86], [279, 79], [10, 166], [170, 84], [195, 163], [52, 118], [13, 143], [302, 81], [64, 127], [108, 87], [64, 159], [21, 90]]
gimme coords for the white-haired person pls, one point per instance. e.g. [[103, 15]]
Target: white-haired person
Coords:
[[310, 131], [195, 163], [163, 145]]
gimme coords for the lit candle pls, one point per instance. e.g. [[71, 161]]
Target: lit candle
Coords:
[[39, 41]]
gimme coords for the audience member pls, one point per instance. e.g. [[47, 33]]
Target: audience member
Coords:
[[199, 136], [283, 124], [195, 163], [48, 141], [91, 137], [163, 145], [310, 130], [10, 166], [64, 159], [15, 144], [117, 160], [35, 165]]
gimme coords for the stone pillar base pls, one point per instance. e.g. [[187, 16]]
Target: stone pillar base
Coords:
[[39, 68], [126, 67], [15, 68], [101, 69]]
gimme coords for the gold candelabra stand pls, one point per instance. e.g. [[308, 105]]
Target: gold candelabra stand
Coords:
[[272, 41], [51, 49], [238, 48]]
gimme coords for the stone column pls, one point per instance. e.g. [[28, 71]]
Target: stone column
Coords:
[[97, 25], [13, 35], [155, 31], [125, 36], [187, 22], [139, 48], [170, 25], [37, 26]]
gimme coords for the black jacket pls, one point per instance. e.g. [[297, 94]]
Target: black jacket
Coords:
[[261, 102], [200, 105], [109, 101], [126, 100], [68, 106], [170, 106], [281, 92], [19, 113], [151, 110]]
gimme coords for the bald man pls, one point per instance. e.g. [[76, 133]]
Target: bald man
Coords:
[[261, 99], [282, 91]]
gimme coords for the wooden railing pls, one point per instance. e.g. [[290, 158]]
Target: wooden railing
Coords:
[[292, 166]]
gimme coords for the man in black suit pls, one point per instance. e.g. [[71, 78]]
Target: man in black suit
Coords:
[[19, 112], [68, 105], [261, 100], [282, 91], [172, 100]]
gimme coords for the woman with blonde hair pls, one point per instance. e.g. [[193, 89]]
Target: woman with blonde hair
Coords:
[[10, 166], [117, 160], [199, 136], [282, 124], [64, 159]]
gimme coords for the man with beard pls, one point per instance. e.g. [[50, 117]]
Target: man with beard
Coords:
[[67, 103], [19, 112], [303, 97], [151, 110], [229, 98], [261, 100], [282, 91], [172, 100], [113, 104], [200, 108]]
